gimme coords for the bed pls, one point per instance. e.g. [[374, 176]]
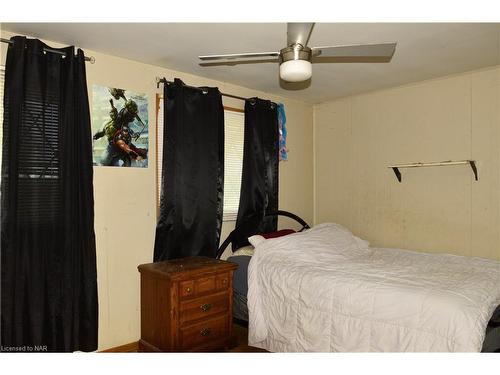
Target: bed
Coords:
[[324, 289], [242, 256]]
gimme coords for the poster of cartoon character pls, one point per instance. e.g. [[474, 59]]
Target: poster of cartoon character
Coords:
[[120, 135]]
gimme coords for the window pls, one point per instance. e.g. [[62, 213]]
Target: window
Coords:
[[233, 159], [38, 164], [234, 122]]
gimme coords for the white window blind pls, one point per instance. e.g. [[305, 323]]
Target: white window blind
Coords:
[[233, 158], [233, 162]]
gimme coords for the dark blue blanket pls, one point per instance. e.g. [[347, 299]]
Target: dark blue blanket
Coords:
[[240, 279]]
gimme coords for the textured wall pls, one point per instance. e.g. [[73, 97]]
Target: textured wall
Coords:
[[438, 209]]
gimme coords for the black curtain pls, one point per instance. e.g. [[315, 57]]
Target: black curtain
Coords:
[[48, 269], [192, 173], [259, 180]]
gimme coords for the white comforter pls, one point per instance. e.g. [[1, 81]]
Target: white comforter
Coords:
[[323, 290]]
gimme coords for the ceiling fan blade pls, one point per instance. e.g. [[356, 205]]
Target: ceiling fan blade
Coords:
[[233, 62], [298, 33], [358, 52], [232, 56]]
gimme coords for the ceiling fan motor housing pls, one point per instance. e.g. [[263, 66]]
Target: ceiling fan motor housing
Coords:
[[295, 52], [295, 63]]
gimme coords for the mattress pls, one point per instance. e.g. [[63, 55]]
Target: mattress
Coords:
[[491, 342], [240, 278], [320, 291]]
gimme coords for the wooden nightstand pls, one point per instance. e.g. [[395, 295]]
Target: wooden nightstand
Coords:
[[186, 305]]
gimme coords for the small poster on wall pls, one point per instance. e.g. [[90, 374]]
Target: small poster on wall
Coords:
[[119, 127]]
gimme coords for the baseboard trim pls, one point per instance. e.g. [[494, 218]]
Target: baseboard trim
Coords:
[[132, 347]]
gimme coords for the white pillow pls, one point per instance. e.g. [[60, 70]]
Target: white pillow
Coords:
[[256, 240], [244, 251], [362, 244], [339, 237]]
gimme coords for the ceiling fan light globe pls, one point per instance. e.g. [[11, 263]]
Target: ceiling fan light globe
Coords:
[[296, 70]]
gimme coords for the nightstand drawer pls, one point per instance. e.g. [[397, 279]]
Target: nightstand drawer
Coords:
[[204, 333], [203, 307], [203, 286]]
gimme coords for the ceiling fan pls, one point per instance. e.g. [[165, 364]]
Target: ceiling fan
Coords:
[[295, 59]]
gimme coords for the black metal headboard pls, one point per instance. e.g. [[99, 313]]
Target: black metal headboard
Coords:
[[245, 224]]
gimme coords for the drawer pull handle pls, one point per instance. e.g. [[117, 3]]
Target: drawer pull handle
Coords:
[[224, 281], [205, 332], [189, 290], [206, 306]]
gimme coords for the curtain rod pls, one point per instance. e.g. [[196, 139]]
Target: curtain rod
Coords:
[[164, 80], [91, 59]]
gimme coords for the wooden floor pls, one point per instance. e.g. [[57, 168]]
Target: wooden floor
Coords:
[[241, 337], [240, 343]]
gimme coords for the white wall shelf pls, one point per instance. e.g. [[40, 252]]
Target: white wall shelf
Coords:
[[396, 167]]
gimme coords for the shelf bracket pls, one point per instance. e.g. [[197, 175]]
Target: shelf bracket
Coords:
[[474, 169], [397, 173]]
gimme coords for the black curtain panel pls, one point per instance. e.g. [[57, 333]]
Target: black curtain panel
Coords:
[[193, 173], [259, 180], [48, 257]]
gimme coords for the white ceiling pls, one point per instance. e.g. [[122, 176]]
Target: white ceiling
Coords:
[[425, 50]]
